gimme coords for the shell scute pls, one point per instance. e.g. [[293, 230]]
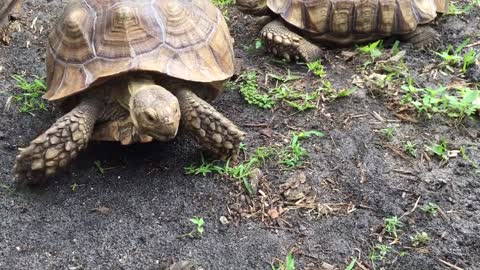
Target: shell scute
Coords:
[[184, 39], [357, 16]]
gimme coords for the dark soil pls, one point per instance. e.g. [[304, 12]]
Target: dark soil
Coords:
[[357, 176]]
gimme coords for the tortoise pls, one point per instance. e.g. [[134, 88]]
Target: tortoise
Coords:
[[9, 8], [296, 26], [133, 72]]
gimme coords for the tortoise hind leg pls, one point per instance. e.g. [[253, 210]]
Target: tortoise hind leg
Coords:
[[287, 44], [210, 128], [57, 146], [424, 37]]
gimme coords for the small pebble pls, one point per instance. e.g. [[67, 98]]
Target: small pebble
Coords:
[[224, 220]]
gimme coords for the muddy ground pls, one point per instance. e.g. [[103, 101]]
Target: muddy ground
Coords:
[[132, 216]]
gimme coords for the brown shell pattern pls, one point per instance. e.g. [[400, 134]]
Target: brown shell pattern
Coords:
[[357, 16], [96, 39]]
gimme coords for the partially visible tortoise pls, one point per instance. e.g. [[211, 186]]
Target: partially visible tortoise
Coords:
[[297, 25], [132, 71], [8, 8]]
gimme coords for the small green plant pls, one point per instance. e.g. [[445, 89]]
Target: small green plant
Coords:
[[199, 229], [455, 103], [420, 239], [99, 167], [223, 3], [388, 132], [249, 90], [351, 265], [468, 159], [454, 58], [453, 9], [6, 189], [292, 156], [74, 187], [240, 172], [31, 96], [285, 78], [379, 252], [289, 263], [392, 224], [259, 43], [431, 208], [439, 149], [317, 68], [204, 168], [410, 148], [373, 49], [199, 222]]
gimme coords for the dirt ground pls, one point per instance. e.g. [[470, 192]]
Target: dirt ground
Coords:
[[132, 216]]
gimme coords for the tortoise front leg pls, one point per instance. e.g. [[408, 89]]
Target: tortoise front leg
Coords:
[[210, 128], [424, 37], [287, 44], [60, 144]]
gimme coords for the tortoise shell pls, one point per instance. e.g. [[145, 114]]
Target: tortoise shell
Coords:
[[358, 16], [95, 40]]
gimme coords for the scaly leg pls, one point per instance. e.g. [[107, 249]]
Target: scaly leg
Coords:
[[210, 128], [59, 145], [287, 44], [424, 37]]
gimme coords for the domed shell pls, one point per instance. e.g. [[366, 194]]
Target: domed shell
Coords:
[[357, 16], [95, 40]]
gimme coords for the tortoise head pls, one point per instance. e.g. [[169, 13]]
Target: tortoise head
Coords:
[[253, 7], [155, 112]]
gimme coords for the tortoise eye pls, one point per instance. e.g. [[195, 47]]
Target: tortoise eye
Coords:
[[150, 115]]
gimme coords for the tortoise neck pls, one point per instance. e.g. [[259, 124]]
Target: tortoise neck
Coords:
[[131, 86], [138, 83]]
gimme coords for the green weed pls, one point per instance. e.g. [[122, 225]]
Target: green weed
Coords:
[[374, 50], [468, 159], [223, 3], [420, 239], [31, 96], [453, 9], [379, 252], [439, 149], [7, 189], [249, 90], [204, 168], [240, 172], [410, 148], [199, 229], [431, 208], [292, 156], [317, 68], [289, 263], [388, 132], [74, 187], [458, 103], [99, 167], [351, 265], [392, 224], [454, 58]]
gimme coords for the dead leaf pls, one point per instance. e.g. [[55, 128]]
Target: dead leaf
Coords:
[[103, 210], [267, 132], [273, 213]]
